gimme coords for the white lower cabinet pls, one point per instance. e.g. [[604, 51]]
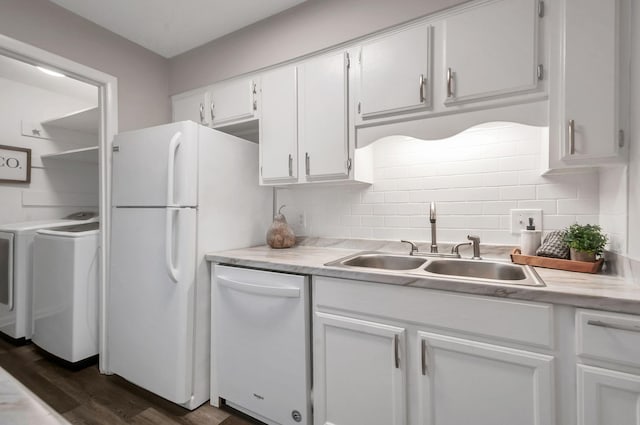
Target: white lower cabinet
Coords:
[[467, 382], [360, 372], [607, 397], [378, 358], [609, 387]]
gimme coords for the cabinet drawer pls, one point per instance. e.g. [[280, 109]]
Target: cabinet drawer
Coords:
[[608, 336], [514, 321]]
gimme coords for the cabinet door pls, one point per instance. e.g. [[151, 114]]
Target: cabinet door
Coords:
[[590, 80], [195, 107], [233, 101], [359, 369], [279, 126], [606, 397], [395, 73], [468, 382], [323, 117], [491, 50]]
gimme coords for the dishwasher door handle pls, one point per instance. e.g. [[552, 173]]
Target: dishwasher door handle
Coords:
[[257, 289]]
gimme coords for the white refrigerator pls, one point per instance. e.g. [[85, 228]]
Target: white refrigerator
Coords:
[[179, 191]]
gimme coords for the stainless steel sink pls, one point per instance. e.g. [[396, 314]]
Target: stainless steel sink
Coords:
[[448, 269], [384, 261], [477, 269]]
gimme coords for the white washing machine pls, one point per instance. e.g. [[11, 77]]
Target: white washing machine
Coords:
[[16, 271], [65, 291]]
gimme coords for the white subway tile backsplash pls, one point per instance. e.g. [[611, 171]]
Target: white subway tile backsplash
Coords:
[[396, 222], [398, 197], [557, 191], [579, 206], [516, 163], [475, 177], [372, 221], [498, 207], [459, 208], [361, 209], [372, 198], [547, 206], [517, 192], [385, 209]]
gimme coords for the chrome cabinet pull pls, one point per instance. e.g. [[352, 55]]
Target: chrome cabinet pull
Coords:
[[290, 165], [423, 349], [572, 137], [307, 160], [421, 86], [396, 350], [202, 112], [213, 105], [449, 82], [602, 324]]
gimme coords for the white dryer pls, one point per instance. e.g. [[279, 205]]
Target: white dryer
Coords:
[[16, 272], [65, 291]]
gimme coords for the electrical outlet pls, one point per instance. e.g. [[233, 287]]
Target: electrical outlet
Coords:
[[520, 220]]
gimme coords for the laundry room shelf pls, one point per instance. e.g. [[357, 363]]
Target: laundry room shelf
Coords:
[[81, 155], [85, 120]]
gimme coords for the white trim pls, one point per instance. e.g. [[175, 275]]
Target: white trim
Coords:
[[108, 104]]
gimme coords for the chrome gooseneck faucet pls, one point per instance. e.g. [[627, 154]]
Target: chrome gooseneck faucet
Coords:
[[432, 219]]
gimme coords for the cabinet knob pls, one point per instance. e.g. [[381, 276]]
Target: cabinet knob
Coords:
[[213, 105], [307, 160], [421, 88]]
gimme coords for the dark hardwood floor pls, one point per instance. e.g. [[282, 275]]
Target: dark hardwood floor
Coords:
[[86, 397]]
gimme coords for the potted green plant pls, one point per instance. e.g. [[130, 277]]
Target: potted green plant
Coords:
[[586, 241]]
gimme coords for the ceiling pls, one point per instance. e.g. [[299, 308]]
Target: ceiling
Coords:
[[171, 27], [15, 70]]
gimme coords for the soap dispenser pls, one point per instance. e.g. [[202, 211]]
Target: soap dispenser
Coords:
[[530, 239]]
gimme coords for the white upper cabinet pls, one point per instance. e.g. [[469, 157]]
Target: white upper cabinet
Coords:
[[194, 106], [587, 121], [323, 132], [491, 50], [233, 101], [395, 73], [279, 126]]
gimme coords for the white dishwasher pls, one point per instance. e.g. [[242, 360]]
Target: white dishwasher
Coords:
[[261, 343]]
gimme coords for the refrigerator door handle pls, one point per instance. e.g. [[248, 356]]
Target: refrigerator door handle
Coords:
[[174, 272], [171, 163]]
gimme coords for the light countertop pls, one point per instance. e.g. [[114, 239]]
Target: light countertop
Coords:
[[19, 406], [598, 291]]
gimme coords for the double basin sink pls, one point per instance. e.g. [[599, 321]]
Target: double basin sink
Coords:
[[450, 268]]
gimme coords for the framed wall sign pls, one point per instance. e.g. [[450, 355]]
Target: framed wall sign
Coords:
[[15, 165]]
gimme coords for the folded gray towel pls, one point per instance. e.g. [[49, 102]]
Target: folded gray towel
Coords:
[[554, 245]]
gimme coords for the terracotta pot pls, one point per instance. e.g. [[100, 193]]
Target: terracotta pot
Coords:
[[586, 256]]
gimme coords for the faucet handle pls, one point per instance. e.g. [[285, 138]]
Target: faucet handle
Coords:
[[455, 249], [475, 240], [414, 247]]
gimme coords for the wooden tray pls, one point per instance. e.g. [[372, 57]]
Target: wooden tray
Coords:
[[555, 263]]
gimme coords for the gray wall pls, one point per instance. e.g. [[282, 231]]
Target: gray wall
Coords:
[[142, 75], [634, 162], [306, 28]]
